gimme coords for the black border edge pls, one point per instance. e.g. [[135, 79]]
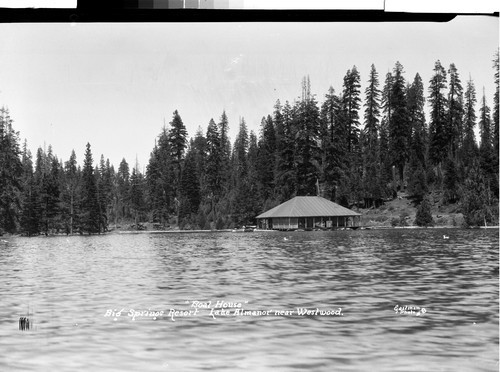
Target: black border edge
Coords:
[[216, 15]]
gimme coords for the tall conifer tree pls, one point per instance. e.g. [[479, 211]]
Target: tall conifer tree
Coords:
[[469, 147], [351, 104], [137, 195], [307, 154], [190, 191], [385, 125], [486, 156], [177, 137], [286, 171], [438, 135], [333, 139], [485, 127], [89, 204], [123, 188], [214, 161], [225, 149], [399, 128], [454, 130], [30, 200], [199, 148], [416, 115], [417, 165], [52, 196], [371, 172], [267, 157], [244, 209], [10, 174], [70, 205]]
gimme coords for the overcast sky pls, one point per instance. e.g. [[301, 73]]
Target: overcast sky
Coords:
[[113, 85]]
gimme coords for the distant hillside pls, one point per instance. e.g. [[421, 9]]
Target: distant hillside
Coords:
[[402, 209]]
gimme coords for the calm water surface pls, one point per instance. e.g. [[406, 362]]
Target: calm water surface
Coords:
[[70, 284]]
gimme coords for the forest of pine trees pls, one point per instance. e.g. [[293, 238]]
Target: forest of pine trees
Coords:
[[358, 154]]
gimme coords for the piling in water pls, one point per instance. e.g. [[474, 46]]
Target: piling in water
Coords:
[[24, 323]]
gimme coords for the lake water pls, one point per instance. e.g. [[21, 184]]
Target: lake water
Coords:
[[73, 285]]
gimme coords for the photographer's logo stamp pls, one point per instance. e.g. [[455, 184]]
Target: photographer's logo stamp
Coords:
[[409, 310]]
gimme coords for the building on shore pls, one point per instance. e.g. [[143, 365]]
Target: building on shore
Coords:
[[308, 213]]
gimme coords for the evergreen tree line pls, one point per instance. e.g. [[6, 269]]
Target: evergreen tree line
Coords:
[[358, 154]]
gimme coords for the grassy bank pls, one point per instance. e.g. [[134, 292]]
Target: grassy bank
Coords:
[[402, 212]]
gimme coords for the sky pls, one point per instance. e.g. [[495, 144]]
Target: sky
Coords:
[[115, 85]]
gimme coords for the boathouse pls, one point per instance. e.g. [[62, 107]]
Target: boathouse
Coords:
[[308, 213]]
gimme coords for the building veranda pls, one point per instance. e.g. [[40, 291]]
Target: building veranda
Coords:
[[308, 213]]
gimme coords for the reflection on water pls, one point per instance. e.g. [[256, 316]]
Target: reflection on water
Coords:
[[68, 284]]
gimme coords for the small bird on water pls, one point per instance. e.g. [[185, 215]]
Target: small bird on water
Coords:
[[446, 237]]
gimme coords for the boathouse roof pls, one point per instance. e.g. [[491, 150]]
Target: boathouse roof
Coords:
[[308, 206]]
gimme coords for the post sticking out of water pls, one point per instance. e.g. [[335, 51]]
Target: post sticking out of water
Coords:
[[24, 322]]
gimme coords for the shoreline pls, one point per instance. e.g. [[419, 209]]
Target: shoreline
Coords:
[[132, 232]]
